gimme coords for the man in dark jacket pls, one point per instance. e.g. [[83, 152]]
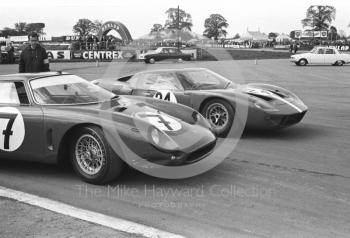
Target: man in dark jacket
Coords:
[[33, 58], [11, 53]]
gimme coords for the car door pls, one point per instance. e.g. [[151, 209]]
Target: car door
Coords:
[[317, 57], [330, 56], [173, 53], [164, 54], [21, 123]]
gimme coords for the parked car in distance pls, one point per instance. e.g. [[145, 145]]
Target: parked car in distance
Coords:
[[321, 56], [165, 53]]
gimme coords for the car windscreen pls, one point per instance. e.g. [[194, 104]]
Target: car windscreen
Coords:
[[314, 51], [67, 89], [206, 79]]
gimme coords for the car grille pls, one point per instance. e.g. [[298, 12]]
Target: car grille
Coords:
[[292, 119], [198, 154]]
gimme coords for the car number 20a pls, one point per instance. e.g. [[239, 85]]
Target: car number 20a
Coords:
[[12, 130]]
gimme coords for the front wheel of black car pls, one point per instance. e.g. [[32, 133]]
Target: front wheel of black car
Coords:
[[220, 115], [93, 158], [151, 60]]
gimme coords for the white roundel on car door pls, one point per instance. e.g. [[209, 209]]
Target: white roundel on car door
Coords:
[[12, 129], [165, 95], [161, 121]]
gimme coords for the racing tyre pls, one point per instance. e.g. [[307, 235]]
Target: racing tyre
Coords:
[[220, 115], [302, 62], [93, 158], [151, 60], [339, 63]]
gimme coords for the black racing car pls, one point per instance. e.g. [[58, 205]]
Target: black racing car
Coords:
[[165, 53], [50, 116], [216, 97]]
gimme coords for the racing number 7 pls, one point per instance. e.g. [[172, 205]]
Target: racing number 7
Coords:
[[8, 132]]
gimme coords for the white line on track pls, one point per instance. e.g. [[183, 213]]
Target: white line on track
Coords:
[[85, 215]]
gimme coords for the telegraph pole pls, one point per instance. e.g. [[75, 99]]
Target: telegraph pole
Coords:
[[178, 26]]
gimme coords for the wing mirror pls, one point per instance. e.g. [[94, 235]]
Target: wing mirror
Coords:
[[121, 89]]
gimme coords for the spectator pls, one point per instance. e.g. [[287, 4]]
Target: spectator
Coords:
[[295, 47], [11, 53], [33, 58]]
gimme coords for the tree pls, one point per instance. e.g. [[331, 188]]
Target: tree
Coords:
[[319, 17], [21, 27], [83, 27], [176, 17], [292, 34], [272, 35], [96, 26], [342, 34], [237, 36], [37, 27], [8, 32], [333, 33], [157, 28], [214, 26]]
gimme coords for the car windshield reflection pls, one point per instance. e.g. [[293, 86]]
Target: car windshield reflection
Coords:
[[67, 89], [207, 79]]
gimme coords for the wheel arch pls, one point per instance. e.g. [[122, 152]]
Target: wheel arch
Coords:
[[206, 100], [303, 59], [63, 148]]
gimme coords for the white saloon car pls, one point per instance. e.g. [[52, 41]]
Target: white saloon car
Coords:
[[321, 55]]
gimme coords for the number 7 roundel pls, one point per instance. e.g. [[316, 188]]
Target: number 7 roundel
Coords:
[[12, 130]]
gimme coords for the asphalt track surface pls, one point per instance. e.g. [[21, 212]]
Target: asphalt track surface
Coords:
[[289, 183]]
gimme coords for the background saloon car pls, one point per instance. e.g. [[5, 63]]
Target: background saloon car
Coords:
[[50, 116], [164, 53], [321, 55], [214, 96]]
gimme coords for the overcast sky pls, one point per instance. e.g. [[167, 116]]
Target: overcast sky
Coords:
[[139, 15]]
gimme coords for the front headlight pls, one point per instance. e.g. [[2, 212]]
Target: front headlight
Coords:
[[161, 140], [155, 136], [263, 105]]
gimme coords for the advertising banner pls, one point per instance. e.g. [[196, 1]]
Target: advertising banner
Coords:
[[310, 34], [71, 38], [104, 54], [343, 47], [59, 54], [324, 34]]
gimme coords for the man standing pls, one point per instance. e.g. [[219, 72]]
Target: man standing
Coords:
[[295, 47], [33, 58], [10, 53]]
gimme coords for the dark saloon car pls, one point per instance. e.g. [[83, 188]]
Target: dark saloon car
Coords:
[[165, 53]]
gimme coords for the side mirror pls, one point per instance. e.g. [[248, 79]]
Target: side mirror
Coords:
[[122, 90]]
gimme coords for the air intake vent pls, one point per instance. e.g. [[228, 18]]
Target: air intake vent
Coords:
[[120, 109], [266, 98]]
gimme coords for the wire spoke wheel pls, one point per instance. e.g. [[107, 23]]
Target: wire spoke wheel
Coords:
[[90, 154]]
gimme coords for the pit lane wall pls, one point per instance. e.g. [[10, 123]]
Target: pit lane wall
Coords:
[[102, 55]]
